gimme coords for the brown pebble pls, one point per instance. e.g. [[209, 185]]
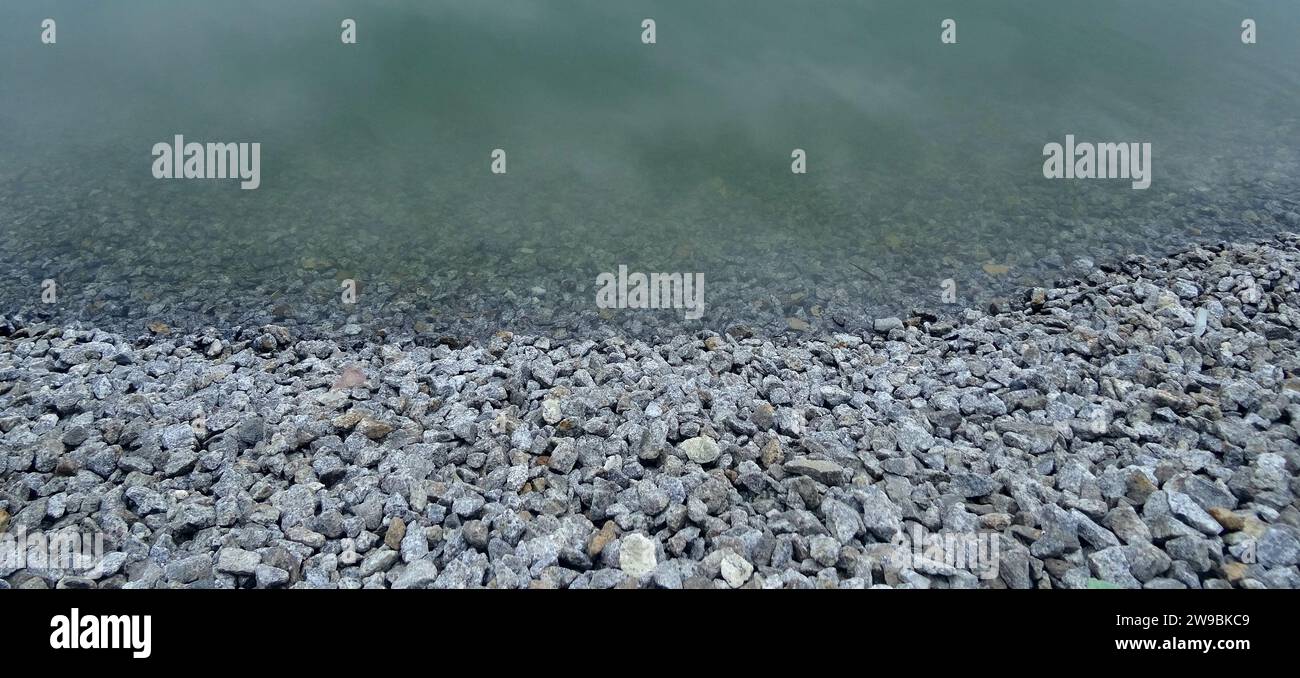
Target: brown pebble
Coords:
[[598, 542], [1229, 520], [396, 532]]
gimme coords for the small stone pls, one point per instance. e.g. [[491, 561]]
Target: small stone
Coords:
[[1112, 565], [1235, 571], [467, 506], [772, 454], [475, 533], [700, 449], [884, 325], [971, 485], [1277, 548], [551, 413], [564, 457], [824, 472], [735, 569], [1147, 561], [1125, 523], [763, 416], [237, 561], [374, 429], [912, 436], [600, 539], [995, 521], [420, 574], [636, 555], [191, 569], [1192, 549], [880, 516], [179, 463], [395, 533], [351, 377], [1189, 512], [269, 577], [75, 435], [379, 561], [823, 549], [1228, 519], [177, 436], [107, 566], [144, 501], [415, 545], [653, 499], [833, 396]]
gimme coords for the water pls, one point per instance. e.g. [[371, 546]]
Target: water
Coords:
[[924, 159]]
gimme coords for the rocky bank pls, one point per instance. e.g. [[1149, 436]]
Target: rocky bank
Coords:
[[1134, 426]]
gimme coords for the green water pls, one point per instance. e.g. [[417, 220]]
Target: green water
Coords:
[[924, 159]]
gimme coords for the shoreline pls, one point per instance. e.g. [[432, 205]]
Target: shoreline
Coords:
[[230, 277], [1100, 431]]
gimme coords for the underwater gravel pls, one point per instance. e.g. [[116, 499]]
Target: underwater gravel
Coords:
[[138, 257], [1134, 427]]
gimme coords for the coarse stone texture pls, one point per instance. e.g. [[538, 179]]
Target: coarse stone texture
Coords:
[[636, 555], [1135, 425]]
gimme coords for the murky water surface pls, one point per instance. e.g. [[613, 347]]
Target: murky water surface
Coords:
[[924, 159]]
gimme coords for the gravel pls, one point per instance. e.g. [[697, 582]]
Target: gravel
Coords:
[[1134, 427]]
